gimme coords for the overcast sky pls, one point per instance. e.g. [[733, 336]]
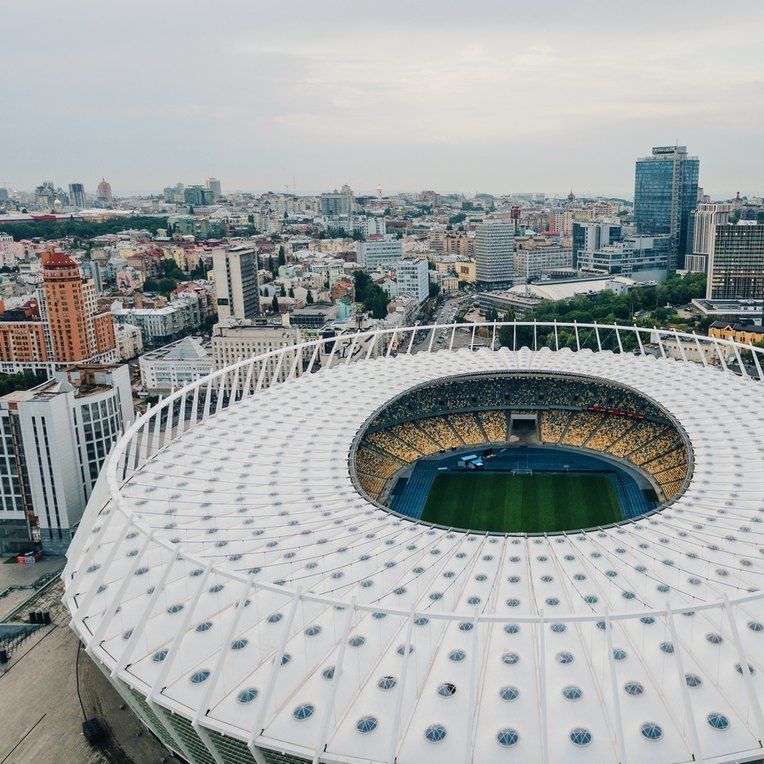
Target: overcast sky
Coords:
[[455, 96]]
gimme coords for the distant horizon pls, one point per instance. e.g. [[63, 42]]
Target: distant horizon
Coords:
[[372, 192]]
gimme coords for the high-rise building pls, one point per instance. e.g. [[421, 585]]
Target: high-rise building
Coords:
[[378, 252], [588, 237], [736, 262], [494, 255], [235, 270], [336, 203], [198, 196], [77, 195], [413, 279], [665, 196], [214, 185], [707, 217], [104, 192], [77, 331], [54, 440]]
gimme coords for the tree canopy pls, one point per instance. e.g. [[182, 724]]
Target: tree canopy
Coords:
[[82, 229], [373, 297]]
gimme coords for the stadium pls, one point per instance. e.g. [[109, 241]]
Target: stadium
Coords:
[[364, 549]]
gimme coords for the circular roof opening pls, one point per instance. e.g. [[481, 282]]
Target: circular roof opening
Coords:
[[521, 452]]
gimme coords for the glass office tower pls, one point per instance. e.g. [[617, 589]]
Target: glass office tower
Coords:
[[665, 196]]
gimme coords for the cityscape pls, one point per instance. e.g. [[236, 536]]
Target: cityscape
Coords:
[[355, 473]]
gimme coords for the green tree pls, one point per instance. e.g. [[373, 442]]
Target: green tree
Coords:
[[275, 304], [283, 290], [82, 229], [282, 255], [291, 292], [362, 283], [309, 298], [24, 380]]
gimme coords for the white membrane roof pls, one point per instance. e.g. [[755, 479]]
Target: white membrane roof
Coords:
[[363, 636]]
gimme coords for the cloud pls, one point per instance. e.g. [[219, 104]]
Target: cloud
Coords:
[[428, 94]]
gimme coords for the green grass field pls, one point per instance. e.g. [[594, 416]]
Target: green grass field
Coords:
[[521, 503]]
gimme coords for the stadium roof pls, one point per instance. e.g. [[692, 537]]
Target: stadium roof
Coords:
[[242, 583]]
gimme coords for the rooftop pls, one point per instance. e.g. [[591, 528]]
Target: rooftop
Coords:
[[364, 632]]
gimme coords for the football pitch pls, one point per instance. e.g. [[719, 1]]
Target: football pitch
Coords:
[[502, 503]]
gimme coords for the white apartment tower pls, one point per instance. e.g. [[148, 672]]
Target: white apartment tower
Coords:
[[54, 440], [235, 270], [494, 255], [413, 278]]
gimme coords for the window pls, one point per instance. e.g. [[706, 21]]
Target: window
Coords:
[[435, 733], [580, 736], [247, 695], [366, 724], [303, 711], [507, 737], [509, 693], [651, 731], [718, 721]]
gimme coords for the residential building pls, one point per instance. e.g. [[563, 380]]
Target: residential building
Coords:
[[104, 192], [175, 365], [63, 326], [665, 197], [494, 255], [214, 185], [353, 224], [23, 337], [412, 278], [77, 330], [335, 203], [54, 440], [736, 263], [707, 216], [196, 225], [447, 282], [7, 251], [561, 222], [159, 326], [77, 195], [238, 341], [588, 237], [235, 272], [198, 196], [466, 270], [129, 341], [311, 317], [343, 288], [378, 252]]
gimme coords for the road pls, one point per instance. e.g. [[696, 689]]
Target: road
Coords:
[[445, 314]]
